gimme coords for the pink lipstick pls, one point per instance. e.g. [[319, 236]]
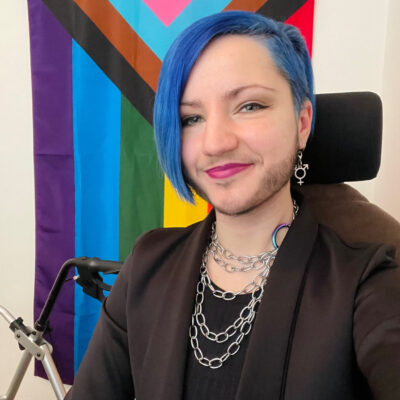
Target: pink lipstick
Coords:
[[226, 170]]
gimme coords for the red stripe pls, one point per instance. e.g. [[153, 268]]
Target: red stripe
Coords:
[[303, 19]]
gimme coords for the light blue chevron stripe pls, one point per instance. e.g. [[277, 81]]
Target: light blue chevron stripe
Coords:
[[97, 126], [150, 28]]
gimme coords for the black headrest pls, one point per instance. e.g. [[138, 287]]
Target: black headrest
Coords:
[[346, 144]]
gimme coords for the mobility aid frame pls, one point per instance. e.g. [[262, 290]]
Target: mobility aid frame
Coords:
[[31, 341]]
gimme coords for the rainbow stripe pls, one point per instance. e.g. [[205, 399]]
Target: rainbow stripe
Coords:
[[95, 65]]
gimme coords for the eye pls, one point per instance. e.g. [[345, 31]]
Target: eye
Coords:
[[249, 107], [190, 120]]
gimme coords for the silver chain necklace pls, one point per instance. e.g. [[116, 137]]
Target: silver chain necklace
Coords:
[[248, 263], [256, 283], [243, 324]]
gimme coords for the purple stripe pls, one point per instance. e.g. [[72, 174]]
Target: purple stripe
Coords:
[[51, 61]]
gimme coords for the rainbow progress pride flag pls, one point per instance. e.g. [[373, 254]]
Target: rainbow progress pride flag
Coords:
[[98, 186]]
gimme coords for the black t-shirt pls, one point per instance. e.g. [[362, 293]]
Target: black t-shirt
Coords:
[[204, 383]]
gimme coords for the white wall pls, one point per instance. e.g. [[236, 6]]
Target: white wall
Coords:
[[355, 48], [16, 182], [387, 186]]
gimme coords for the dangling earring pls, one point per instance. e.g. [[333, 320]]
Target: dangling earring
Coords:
[[300, 170]]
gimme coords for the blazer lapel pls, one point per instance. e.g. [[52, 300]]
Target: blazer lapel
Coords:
[[266, 362], [163, 372]]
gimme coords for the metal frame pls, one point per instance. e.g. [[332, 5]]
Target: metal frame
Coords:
[[34, 346], [30, 340]]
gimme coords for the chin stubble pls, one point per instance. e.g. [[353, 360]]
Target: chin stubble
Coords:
[[272, 183]]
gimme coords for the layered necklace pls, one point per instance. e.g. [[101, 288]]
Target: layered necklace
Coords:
[[234, 334]]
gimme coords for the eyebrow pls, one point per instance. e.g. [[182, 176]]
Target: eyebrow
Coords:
[[230, 94]]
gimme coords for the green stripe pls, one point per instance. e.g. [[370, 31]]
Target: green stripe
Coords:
[[141, 180]]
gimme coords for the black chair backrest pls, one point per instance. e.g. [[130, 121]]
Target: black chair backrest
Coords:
[[346, 144]]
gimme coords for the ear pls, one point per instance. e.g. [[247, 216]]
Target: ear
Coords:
[[304, 123]]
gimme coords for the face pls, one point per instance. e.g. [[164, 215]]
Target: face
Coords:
[[240, 131]]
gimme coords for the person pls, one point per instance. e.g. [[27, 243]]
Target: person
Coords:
[[257, 301]]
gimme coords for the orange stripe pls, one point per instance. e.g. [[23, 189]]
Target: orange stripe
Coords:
[[124, 39], [245, 5]]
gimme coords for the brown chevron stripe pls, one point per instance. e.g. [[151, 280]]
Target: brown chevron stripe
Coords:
[[124, 38], [129, 44], [105, 55], [245, 5], [280, 10]]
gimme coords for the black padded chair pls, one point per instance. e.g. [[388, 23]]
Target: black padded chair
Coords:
[[346, 147]]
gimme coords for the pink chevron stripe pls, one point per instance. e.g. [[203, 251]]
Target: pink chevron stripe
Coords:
[[167, 11]]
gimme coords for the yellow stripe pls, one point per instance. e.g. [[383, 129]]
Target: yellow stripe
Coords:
[[178, 213]]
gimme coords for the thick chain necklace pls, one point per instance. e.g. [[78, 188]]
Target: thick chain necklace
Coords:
[[256, 283], [241, 327], [242, 263], [224, 257]]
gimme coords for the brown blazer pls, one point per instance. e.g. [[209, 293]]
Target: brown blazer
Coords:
[[328, 326]]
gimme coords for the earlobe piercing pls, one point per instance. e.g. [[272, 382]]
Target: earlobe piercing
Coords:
[[300, 170]]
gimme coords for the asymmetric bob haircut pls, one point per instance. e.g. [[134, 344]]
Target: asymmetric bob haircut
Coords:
[[285, 45]]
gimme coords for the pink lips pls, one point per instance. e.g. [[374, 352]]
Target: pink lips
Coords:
[[226, 171]]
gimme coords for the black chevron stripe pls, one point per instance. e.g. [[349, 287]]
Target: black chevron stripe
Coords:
[[280, 10], [106, 56]]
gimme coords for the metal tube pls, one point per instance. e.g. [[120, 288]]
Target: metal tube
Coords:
[[18, 376], [41, 323], [81, 262], [52, 373], [6, 315]]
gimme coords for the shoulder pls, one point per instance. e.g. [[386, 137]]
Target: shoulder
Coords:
[[357, 260], [336, 241], [158, 249], [351, 215], [153, 256], [159, 244], [161, 239]]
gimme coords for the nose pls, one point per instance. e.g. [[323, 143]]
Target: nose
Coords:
[[219, 135]]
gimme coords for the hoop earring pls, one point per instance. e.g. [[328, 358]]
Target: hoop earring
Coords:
[[300, 170]]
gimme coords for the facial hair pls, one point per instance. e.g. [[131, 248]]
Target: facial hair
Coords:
[[272, 182]]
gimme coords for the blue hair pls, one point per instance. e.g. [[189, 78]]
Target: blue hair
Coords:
[[286, 47]]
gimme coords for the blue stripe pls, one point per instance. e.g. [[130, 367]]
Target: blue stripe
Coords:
[[150, 28], [97, 126]]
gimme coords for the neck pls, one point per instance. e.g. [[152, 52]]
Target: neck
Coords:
[[250, 233]]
